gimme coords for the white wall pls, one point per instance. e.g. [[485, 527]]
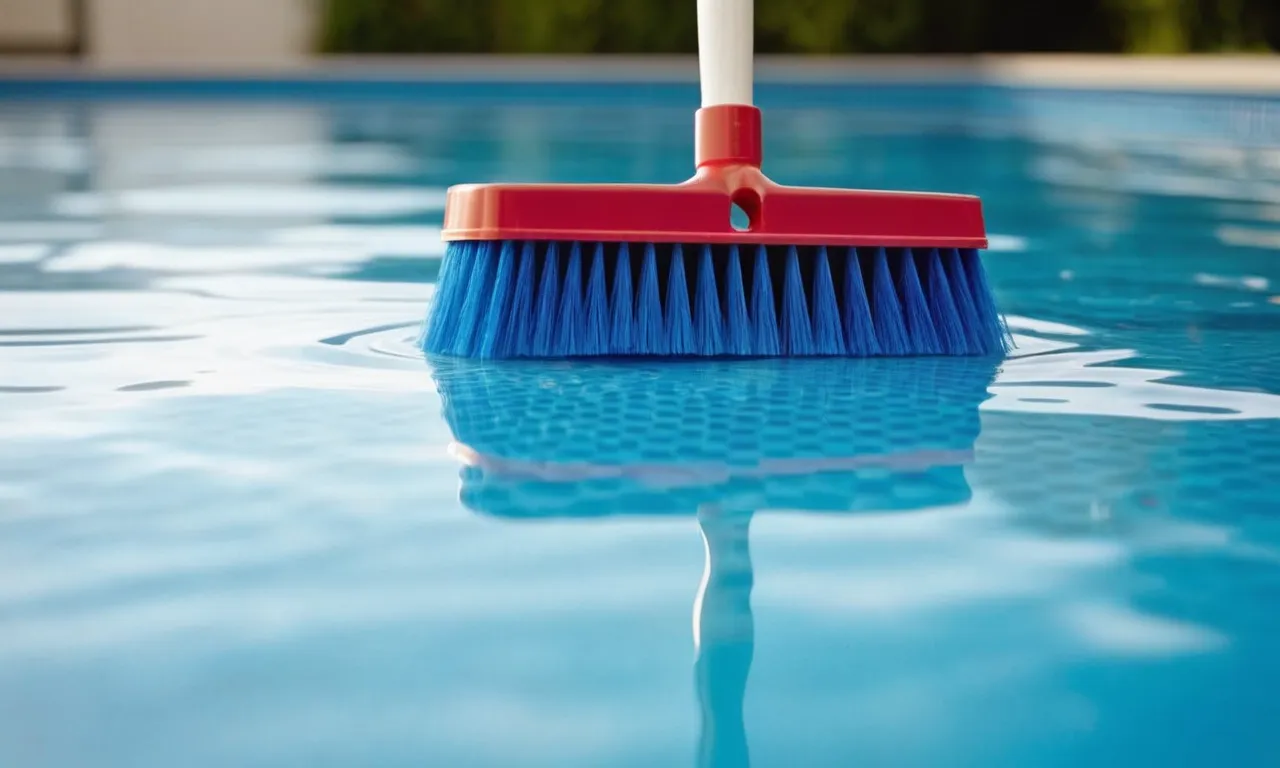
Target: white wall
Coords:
[[35, 22], [171, 35], [168, 35], [200, 34]]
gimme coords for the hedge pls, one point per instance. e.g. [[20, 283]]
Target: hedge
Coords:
[[802, 26]]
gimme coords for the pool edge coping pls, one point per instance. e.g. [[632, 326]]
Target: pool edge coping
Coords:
[[1243, 74]]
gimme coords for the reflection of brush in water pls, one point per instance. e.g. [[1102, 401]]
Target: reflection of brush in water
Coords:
[[718, 441], [596, 439]]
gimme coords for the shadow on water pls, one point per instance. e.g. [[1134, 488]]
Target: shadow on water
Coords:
[[719, 442]]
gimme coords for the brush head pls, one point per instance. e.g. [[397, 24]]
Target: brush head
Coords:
[[699, 210], [548, 271]]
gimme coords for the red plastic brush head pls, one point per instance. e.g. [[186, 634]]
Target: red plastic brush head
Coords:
[[698, 211]]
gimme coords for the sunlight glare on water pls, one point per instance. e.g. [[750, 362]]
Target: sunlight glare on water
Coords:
[[244, 522]]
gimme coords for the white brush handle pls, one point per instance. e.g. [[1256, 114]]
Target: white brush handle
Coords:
[[726, 42]]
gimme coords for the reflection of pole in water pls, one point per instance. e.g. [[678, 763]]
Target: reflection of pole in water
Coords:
[[723, 637], [592, 439]]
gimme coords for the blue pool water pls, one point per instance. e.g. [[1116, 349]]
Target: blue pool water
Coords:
[[243, 523]]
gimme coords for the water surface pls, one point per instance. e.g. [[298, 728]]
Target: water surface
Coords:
[[243, 522]]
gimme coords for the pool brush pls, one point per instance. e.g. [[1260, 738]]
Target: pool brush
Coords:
[[581, 270]]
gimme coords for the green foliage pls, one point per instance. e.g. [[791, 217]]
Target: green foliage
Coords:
[[405, 26], [818, 26], [802, 26], [1155, 26], [564, 26]]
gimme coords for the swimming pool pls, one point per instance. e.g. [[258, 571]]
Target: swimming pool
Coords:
[[243, 523]]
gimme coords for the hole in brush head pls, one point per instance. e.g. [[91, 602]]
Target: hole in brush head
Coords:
[[744, 210]]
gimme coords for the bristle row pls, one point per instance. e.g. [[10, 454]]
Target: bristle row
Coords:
[[507, 299]]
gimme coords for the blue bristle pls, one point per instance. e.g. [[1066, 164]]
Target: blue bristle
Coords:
[[886, 312], [679, 323], [494, 321], [994, 332], [595, 341], [946, 317], [446, 306], [544, 326], [650, 335], [828, 339], [963, 297], [519, 330], [737, 324], [859, 331], [479, 291], [708, 327], [508, 299], [570, 325], [797, 331], [924, 339], [764, 320], [622, 322], [438, 314]]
